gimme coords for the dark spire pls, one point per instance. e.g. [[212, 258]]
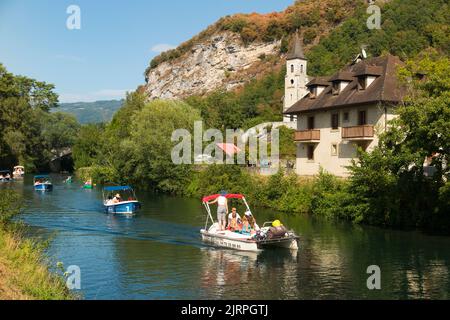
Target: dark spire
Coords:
[[297, 49]]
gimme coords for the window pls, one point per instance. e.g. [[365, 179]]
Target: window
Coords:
[[362, 118], [335, 121], [292, 68], [362, 82], [311, 124], [312, 92], [311, 153], [335, 88], [334, 149], [301, 68], [292, 118], [292, 81], [346, 117]]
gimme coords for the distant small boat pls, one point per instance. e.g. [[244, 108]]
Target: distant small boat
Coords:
[[42, 183], [5, 176], [125, 203], [19, 172]]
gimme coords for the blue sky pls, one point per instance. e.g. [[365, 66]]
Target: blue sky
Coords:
[[116, 42]]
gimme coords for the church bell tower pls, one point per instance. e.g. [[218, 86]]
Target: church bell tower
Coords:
[[296, 76]]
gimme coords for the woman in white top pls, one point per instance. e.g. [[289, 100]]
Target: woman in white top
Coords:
[[222, 210]]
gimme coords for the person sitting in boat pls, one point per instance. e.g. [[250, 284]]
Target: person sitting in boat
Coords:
[[38, 182], [245, 227], [88, 183], [252, 221], [110, 201], [234, 219], [8, 176], [222, 210], [117, 199]]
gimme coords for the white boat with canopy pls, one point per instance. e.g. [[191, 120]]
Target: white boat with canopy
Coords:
[[267, 237]]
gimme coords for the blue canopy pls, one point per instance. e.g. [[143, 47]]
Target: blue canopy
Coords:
[[117, 188], [42, 177]]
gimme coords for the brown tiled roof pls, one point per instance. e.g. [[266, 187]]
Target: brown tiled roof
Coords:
[[319, 81], [385, 88]]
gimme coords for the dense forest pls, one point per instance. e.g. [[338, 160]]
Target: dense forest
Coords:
[[29, 134]]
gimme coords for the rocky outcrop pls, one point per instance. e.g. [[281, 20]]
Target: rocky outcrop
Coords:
[[212, 64]]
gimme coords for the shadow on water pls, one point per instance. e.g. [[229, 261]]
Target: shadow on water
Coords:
[[158, 254]]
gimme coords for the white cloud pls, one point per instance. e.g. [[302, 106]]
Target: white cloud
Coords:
[[162, 47], [105, 94]]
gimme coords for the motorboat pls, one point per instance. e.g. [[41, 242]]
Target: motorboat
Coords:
[[42, 183], [267, 237], [5, 176], [19, 172], [121, 200]]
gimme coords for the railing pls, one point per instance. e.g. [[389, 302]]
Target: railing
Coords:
[[307, 135], [359, 132]]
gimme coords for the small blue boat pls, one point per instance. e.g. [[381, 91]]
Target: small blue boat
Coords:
[[120, 200], [42, 183]]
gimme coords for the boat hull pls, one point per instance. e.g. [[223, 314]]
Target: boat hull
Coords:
[[44, 187], [128, 207], [230, 241]]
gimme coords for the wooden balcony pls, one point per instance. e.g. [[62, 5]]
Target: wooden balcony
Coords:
[[307, 136], [359, 133]]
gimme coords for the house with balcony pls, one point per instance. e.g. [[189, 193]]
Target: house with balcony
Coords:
[[343, 112]]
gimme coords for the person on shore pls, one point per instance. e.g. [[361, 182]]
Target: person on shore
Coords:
[[222, 210], [234, 219]]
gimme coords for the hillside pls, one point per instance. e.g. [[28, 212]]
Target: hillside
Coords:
[[241, 49], [238, 48], [92, 112]]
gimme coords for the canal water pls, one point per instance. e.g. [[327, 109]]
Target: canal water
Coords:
[[158, 254]]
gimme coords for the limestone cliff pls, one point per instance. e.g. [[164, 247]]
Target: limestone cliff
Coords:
[[238, 48], [214, 63]]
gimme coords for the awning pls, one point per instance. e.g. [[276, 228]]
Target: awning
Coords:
[[229, 148]]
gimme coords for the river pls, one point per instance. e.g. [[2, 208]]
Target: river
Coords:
[[158, 254]]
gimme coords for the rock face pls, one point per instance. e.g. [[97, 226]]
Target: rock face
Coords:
[[212, 64]]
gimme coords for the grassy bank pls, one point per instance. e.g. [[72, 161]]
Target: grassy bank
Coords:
[[24, 271]]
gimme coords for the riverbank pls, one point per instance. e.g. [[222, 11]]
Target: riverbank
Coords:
[[24, 271]]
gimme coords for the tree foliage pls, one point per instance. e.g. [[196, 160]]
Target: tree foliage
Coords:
[[29, 134]]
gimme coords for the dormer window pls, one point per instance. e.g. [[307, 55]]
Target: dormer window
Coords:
[[362, 82], [313, 92], [367, 75], [336, 88]]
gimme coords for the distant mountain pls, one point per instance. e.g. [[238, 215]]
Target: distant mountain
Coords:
[[92, 112]]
